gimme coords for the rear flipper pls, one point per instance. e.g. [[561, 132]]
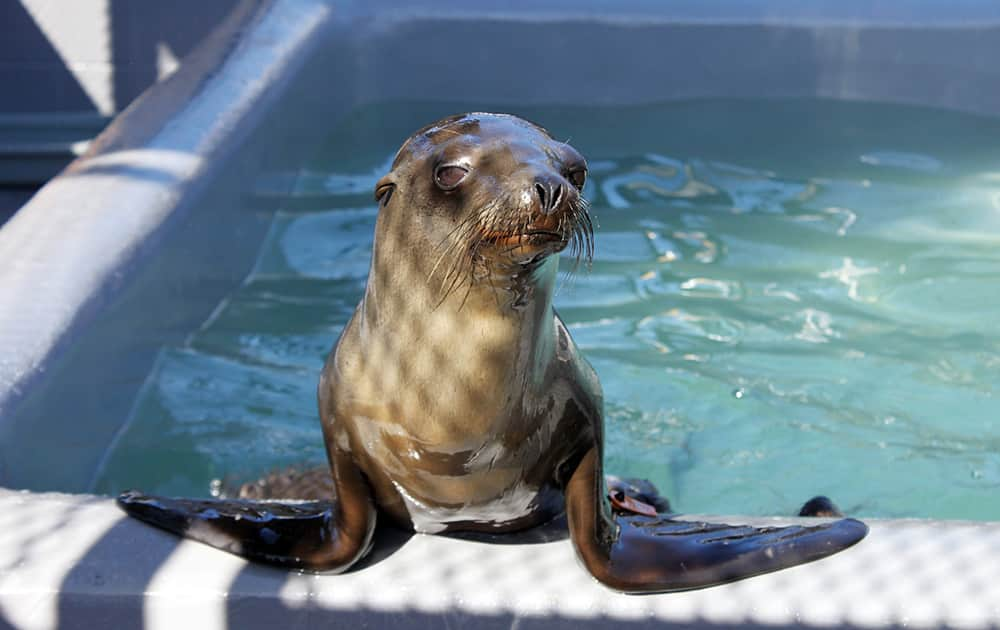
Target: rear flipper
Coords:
[[314, 535], [663, 554], [649, 554], [298, 535]]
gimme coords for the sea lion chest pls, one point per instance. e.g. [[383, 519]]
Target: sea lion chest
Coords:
[[459, 421]]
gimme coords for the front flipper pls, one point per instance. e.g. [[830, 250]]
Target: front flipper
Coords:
[[644, 554], [314, 535]]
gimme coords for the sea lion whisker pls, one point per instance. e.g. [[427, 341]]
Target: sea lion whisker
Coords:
[[452, 276], [464, 233], [581, 245], [464, 266], [455, 240], [442, 256], [461, 225], [459, 276], [574, 237], [452, 281], [468, 263], [491, 279], [585, 226]]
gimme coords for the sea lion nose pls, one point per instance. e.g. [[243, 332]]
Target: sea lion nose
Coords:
[[550, 193]]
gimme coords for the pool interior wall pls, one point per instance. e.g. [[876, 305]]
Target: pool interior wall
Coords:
[[104, 256]]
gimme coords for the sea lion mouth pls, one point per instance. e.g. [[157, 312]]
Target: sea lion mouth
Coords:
[[507, 231], [548, 231], [529, 238]]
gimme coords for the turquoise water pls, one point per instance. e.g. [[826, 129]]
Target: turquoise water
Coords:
[[787, 299]]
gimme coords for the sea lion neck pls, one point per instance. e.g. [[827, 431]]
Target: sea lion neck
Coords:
[[472, 217]]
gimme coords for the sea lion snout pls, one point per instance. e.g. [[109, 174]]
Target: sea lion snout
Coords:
[[550, 192], [545, 216]]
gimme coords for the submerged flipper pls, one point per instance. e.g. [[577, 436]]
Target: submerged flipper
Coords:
[[305, 484], [646, 554], [820, 506]]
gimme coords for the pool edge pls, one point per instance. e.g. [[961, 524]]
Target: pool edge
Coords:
[[80, 561]]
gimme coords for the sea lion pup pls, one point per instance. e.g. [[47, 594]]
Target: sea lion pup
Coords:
[[455, 398]]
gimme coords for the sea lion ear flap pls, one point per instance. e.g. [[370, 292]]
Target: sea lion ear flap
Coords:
[[384, 188]]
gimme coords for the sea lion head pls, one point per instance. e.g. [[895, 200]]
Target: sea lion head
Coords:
[[486, 192]]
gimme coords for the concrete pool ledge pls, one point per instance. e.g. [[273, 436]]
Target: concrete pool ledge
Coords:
[[90, 294], [76, 560]]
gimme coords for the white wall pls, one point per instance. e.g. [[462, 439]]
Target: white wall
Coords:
[[94, 55]]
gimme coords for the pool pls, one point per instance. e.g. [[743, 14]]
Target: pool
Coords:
[[120, 258], [785, 300]]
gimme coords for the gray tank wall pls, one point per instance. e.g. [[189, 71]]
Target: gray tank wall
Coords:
[[67, 67], [95, 56]]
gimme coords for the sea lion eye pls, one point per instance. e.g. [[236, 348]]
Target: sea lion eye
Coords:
[[448, 176], [578, 178]]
